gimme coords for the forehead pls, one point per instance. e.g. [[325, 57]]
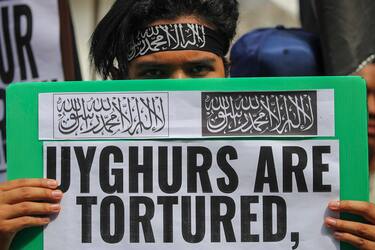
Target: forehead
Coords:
[[175, 57]]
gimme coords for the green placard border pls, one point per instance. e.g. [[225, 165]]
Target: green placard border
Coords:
[[24, 150]]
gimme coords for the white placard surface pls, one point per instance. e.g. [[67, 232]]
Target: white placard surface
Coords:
[[185, 114], [220, 194]]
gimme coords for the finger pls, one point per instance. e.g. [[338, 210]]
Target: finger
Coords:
[[354, 240], [32, 208], [30, 194], [362, 208], [17, 224], [46, 183], [359, 229]]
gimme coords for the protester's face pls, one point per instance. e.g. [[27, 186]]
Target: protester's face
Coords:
[[177, 64], [368, 73]]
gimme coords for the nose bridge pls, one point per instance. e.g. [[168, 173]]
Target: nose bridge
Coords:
[[179, 73]]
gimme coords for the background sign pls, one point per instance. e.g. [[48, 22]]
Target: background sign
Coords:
[[29, 40], [95, 172]]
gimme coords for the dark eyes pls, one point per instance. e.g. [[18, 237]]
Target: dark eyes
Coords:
[[189, 71], [200, 70], [153, 74]]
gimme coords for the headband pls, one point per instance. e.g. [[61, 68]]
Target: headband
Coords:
[[172, 37]]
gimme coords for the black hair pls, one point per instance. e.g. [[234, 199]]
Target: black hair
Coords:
[[109, 42]]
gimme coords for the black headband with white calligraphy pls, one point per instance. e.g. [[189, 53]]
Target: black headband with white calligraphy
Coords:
[[173, 37]]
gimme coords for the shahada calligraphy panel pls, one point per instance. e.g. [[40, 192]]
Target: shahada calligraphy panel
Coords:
[[110, 114], [259, 113]]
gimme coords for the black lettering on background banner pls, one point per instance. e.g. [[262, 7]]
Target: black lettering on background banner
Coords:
[[17, 25], [16, 56], [23, 41], [259, 113], [6, 74]]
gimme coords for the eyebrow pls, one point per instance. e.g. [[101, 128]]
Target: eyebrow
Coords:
[[155, 64], [208, 62]]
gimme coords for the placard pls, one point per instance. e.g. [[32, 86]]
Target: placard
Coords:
[[97, 165]]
